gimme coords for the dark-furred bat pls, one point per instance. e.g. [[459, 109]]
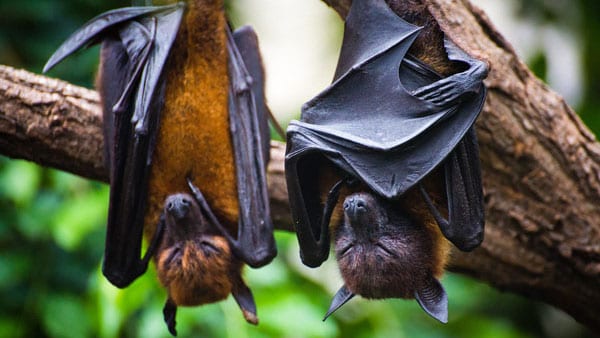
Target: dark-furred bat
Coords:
[[186, 140], [393, 138]]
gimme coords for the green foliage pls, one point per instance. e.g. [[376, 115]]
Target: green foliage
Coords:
[[52, 238], [582, 16], [52, 234]]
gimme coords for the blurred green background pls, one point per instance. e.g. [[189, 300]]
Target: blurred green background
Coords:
[[52, 223]]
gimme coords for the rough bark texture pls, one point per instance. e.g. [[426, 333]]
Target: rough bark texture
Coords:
[[50, 122], [541, 166]]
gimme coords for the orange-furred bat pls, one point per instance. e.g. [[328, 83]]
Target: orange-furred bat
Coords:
[[385, 160], [185, 124]]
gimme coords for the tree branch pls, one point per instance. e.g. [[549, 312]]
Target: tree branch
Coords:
[[51, 122], [541, 166]]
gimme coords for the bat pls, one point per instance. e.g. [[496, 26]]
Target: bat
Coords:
[[398, 133], [395, 255], [186, 145]]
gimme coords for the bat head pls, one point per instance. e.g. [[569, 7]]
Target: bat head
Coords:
[[383, 253], [183, 217], [193, 263]]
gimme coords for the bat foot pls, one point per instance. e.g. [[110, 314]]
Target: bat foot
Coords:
[[243, 296], [169, 313], [250, 317]]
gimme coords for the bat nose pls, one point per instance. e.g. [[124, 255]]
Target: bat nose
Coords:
[[355, 205], [178, 206]]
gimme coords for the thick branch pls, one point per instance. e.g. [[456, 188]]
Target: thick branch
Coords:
[[50, 122], [541, 166]]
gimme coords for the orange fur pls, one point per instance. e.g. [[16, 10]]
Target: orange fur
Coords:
[[194, 139], [197, 278]]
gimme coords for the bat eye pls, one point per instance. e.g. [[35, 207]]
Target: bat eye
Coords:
[[186, 202], [346, 205], [210, 247]]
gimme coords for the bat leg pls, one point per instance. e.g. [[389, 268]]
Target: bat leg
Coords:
[[243, 296], [433, 299], [465, 223], [169, 313], [341, 297]]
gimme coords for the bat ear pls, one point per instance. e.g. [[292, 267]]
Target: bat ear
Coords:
[[433, 299], [243, 296], [341, 297]]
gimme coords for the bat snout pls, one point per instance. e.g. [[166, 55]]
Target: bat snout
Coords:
[[178, 206], [355, 206]]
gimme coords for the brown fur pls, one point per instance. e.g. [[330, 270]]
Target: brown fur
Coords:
[[196, 276], [386, 253], [429, 45], [411, 203], [194, 139]]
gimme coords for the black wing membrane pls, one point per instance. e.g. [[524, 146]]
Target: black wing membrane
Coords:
[[248, 118], [387, 120], [254, 242], [466, 218], [246, 41], [136, 45]]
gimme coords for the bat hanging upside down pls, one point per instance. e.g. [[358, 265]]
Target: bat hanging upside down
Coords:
[[388, 156], [187, 142]]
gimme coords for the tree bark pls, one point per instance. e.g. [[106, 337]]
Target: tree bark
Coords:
[[51, 122], [541, 166]]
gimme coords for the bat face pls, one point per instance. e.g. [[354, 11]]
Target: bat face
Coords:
[[381, 252], [193, 263]]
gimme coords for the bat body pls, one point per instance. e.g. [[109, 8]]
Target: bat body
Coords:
[[398, 133], [185, 120]]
